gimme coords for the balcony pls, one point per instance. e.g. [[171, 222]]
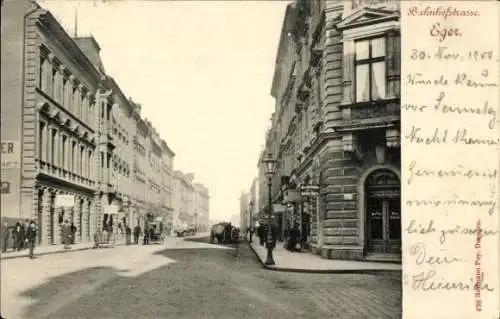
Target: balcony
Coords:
[[362, 122], [369, 115], [110, 139], [316, 55]]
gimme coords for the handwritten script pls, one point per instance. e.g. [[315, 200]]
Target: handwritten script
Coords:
[[450, 170]]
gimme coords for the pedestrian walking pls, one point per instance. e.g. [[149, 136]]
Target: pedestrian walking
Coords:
[[20, 236], [146, 235], [128, 234], [73, 233], [66, 234], [5, 236], [293, 238], [137, 233], [261, 234], [31, 238]]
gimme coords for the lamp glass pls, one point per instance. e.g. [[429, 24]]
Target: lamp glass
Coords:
[[269, 162]]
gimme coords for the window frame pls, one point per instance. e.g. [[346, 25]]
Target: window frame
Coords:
[[369, 61]]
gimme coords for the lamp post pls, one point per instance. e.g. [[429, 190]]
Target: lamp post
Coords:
[[269, 165]]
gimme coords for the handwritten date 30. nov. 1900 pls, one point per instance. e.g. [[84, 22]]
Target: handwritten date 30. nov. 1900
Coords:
[[444, 53]]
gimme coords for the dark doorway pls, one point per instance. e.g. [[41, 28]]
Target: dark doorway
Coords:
[[383, 212]]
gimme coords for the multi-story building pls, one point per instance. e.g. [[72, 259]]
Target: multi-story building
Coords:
[[262, 182], [72, 144], [190, 202], [49, 104], [244, 212], [336, 125], [254, 202], [154, 170], [189, 198], [140, 167], [181, 205], [202, 207], [120, 178], [167, 183]]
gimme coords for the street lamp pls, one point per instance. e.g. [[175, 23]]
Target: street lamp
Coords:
[[269, 166]]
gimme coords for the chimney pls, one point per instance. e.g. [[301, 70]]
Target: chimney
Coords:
[[92, 50]]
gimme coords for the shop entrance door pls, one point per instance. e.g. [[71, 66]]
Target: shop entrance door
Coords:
[[383, 212]]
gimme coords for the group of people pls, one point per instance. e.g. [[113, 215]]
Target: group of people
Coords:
[[262, 233], [68, 234], [22, 236], [292, 238], [150, 233]]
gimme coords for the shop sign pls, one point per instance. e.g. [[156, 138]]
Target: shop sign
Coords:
[[309, 190], [65, 201], [291, 195], [10, 154], [391, 193]]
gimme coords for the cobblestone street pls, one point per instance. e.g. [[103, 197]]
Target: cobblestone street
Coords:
[[189, 278]]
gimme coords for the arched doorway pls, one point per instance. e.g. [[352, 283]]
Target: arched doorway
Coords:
[[383, 212]]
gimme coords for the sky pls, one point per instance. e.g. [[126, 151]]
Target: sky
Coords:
[[202, 72]]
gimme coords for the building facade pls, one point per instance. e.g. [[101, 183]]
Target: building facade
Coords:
[[190, 202], [254, 202], [182, 194], [73, 142], [336, 126], [244, 211], [202, 207], [167, 182]]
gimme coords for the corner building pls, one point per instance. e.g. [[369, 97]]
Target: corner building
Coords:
[[336, 125], [52, 111]]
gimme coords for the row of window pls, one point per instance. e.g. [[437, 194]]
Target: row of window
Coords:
[[139, 149], [59, 149], [120, 166], [154, 162], [117, 132], [155, 187], [56, 81]]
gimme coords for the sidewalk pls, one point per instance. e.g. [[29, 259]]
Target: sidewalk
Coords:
[[310, 263], [57, 249], [53, 249]]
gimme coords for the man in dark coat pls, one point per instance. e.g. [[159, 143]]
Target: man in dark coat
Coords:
[[73, 233], [137, 233], [146, 235], [31, 238], [5, 236], [20, 235], [294, 238], [261, 232], [66, 234]]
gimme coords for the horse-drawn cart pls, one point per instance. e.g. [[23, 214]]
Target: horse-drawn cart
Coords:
[[224, 233]]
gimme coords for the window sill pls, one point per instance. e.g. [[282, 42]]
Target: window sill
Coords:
[[369, 103]]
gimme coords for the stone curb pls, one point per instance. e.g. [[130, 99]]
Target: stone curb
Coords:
[[324, 271], [55, 252]]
